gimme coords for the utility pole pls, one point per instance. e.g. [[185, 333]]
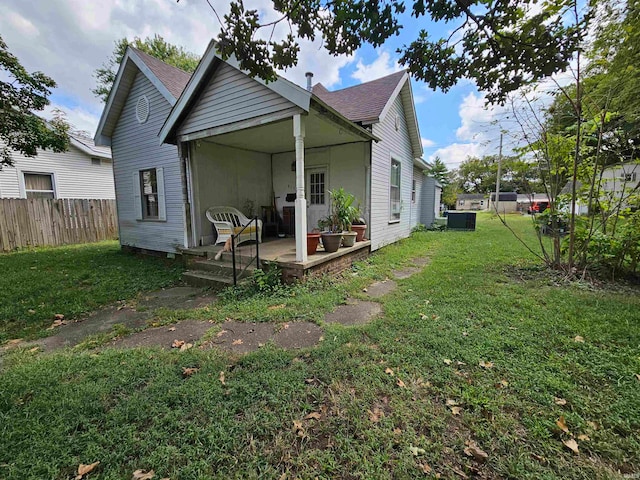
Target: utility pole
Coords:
[[497, 202]]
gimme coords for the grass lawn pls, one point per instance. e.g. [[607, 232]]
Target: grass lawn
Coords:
[[384, 396], [39, 283]]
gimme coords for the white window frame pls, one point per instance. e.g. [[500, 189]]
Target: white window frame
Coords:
[[23, 183], [394, 216]]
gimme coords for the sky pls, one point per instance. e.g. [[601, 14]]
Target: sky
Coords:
[[69, 39]]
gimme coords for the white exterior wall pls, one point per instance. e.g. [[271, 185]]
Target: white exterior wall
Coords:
[[613, 179], [394, 143], [135, 147], [418, 205], [231, 96], [347, 167], [73, 174], [226, 176]]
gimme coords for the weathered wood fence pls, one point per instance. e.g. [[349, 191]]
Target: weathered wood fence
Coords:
[[40, 221]]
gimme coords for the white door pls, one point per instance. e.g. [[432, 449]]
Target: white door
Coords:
[[317, 196]]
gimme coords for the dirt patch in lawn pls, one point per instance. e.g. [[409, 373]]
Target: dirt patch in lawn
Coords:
[[354, 313], [407, 272]]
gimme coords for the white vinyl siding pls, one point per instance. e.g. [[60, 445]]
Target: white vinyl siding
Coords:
[[417, 207], [394, 144], [135, 148], [231, 96], [74, 175]]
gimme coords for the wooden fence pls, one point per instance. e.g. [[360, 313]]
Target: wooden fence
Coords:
[[39, 221]]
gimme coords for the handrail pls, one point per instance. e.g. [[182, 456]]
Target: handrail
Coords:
[[234, 236]]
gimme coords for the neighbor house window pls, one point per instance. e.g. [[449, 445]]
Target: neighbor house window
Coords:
[[413, 191], [629, 177], [149, 190], [95, 161], [394, 191], [39, 185]]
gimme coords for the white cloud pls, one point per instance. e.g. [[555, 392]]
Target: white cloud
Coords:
[[80, 118], [427, 143], [21, 24], [456, 153], [382, 66]]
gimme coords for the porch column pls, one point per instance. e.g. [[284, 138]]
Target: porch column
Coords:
[[301, 203]]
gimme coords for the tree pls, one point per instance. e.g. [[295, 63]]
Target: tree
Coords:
[[501, 45], [439, 171], [156, 47], [21, 95]]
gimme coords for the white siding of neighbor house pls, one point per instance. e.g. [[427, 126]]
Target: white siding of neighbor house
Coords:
[[135, 147], [431, 196], [394, 144], [231, 96], [73, 173], [417, 207], [226, 176]]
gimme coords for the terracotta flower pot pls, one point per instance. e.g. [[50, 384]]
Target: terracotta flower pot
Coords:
[[349, 239], [312, 242], [360, 230], [331, 241]]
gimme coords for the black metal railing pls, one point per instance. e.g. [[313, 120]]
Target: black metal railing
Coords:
[[240, 261]]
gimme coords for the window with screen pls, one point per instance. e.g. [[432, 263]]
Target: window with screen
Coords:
[[149, 191], [317, 188], [39, 185], [394, 191], [413, 191]]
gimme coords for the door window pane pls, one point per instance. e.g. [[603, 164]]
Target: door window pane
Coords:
[[316, 188]]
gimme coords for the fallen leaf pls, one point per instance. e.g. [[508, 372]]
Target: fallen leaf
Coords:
[[313, 416], [485, 365], [56, 324], [593, 425], [472, 450], [375, 415], [177, 343], [14, 341], [456, 410], [465, 334], [220, 333], [562, 425], [397, 431], [584, 438], [221, 378], [237, 342], [276, 307], [559, 401], [451, 403], [578, 339], [285, 326], [84, 469], [186, 346], [297, 428], [34, 349], [388, 371], [172, 329], [31, 311], [188, 371], [540, 458], [434, 317], [58, 316], [571, 444], [425, 468], [512, 328], [142, 475], [460, 473], [447, 361], [637, 376], [460, 363], [416, 450], [423, 316], [400, 383], [502, 384]]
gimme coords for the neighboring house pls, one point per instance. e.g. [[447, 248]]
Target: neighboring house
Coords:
[[471, 201], [618, 181], [508, 202], [184, 143], [83, 171], [526, 199]]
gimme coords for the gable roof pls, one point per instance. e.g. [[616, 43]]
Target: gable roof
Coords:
[[363, 103], [171, 77], [87, 146], [168, 80]]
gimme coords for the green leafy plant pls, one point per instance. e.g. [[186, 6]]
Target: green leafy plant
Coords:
[[343, 212]]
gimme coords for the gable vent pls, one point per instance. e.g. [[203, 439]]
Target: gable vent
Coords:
[[142, 109]]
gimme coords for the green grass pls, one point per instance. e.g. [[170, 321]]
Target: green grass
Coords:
[[39, 283], [134, 410]]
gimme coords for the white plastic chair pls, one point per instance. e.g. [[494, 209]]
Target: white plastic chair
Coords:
[[228, 221]]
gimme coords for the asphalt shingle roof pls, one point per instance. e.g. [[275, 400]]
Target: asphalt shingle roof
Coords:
[[171, 77], [363, 102]]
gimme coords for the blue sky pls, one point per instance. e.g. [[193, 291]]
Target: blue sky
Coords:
[[69, 39]]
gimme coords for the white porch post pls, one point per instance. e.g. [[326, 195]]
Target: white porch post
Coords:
[[301, 203]]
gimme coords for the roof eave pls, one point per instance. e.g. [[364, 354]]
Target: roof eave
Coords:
[[344, 120], [87, 149]]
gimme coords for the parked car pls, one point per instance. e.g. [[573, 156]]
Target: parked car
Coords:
[[537, 207]]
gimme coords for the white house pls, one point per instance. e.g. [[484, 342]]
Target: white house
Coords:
[[83, 171], [182, 143]]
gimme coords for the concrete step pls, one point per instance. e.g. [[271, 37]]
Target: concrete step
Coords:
[[205, 279], [221, 268]]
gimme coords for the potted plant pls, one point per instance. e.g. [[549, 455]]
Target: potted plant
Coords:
[[331, 235], [342, 205], [359, 225], [313, 239]]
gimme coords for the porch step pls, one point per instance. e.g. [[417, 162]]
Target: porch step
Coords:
[[198, 278], [219, 267]]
